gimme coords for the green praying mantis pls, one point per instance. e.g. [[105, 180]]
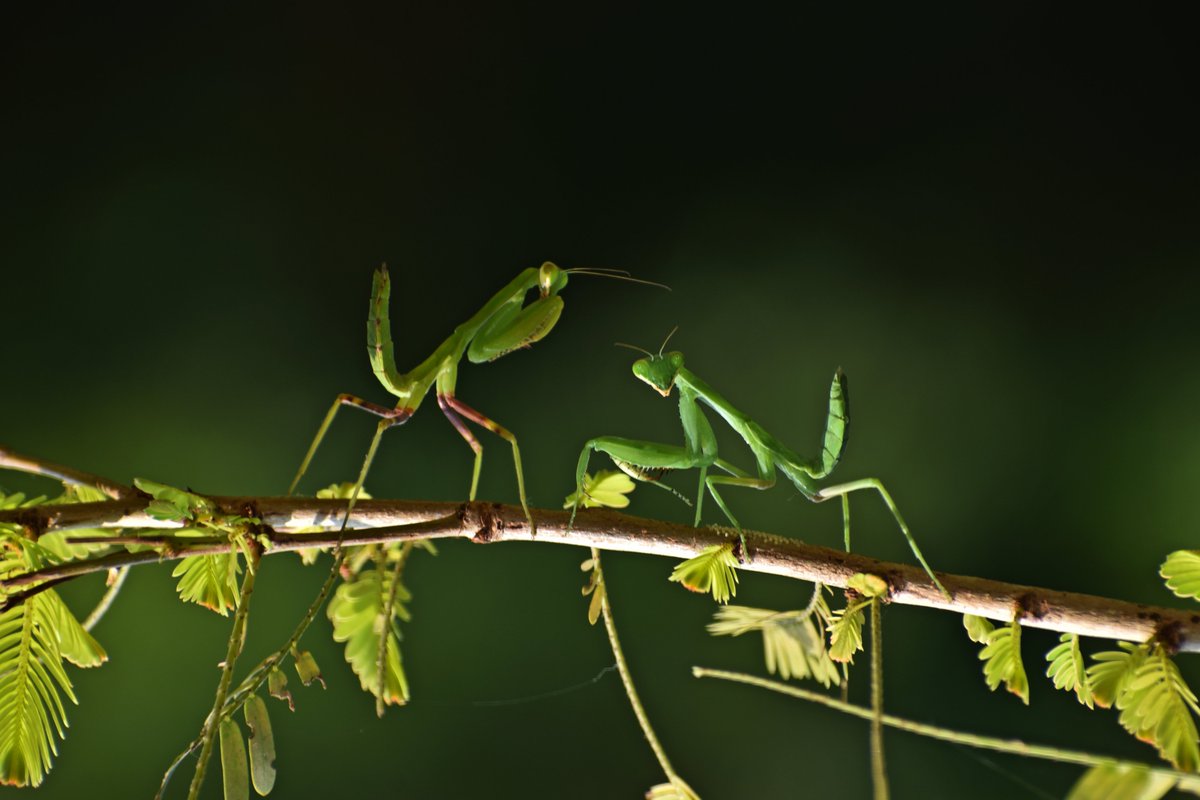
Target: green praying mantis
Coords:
[[504, 324], [648, 461]]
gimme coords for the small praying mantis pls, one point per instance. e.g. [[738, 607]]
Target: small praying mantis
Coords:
[[503, 325], [648, 461]]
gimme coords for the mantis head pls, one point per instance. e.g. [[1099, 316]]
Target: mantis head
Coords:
[[551, 278], [659, 371]]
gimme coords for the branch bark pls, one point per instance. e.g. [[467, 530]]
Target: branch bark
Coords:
[[486, 523]]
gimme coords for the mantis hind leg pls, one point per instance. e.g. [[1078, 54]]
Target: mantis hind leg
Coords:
[[843, 490], [391, 416], [498, 429]]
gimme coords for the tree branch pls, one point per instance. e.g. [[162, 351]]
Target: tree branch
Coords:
[[485, 523]]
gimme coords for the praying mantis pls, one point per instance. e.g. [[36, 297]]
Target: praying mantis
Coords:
[[504, 324], [648, 461]]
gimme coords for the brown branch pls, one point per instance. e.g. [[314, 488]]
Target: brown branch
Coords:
[[36, 466], [484, 523]]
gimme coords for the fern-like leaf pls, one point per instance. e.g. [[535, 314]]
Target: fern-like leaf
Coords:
[[1001, 658], [792, 645], [1112, 670], [713, 570], [356, 611], [845, 632], [1068, 671], [209, 581], [76, 644], [31, 681], [1121, 782], [606, 489], [978, 628], [672, 791], [1182, 571], [1156, 706]]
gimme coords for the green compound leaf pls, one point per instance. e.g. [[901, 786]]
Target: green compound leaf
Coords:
[[868, 585], [1156, 706], [306, 668], [978, 628], [713, 570], [1121, 782], [1068, 671], [594, 587], [1112, 670], [234, 772], [672, 791], [607, 489], [209, 581], [356, 611], [1001, 658], [262, 745], [792, 645], [31, 680], [845, 632], [277, 687], [76, 644], [1182, 571], [170, 503]]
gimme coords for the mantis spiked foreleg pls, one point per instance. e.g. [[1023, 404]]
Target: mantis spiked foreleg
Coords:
[[664, 372]]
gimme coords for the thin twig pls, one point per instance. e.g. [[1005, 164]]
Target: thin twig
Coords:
[[386, 620], [1012, 746], [635, 702], [392, 520], [878, 770], [106, 601], [36, 466], [237, 638]]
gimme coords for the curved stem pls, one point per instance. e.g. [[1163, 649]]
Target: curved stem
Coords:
[[237, 638], [627, 680], [1011, 746], [878, 770], [386, 627], [106, 601]]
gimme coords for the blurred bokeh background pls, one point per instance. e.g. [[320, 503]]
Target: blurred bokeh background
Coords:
[[986, 216]]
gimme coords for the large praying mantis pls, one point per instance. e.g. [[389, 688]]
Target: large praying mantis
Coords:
[[504, 324], [648, 461]]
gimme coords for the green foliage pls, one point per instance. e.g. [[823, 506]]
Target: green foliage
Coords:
[[867, 585], [1001, 658], [1121, 782], [306, 668], [234, 770], [978, 628], [262, 745], [356, 611], [277, 687], [594, 587], [36, 634], [31, 681], [1156, 705], [845, 632], [609, 489], [713, 570], [1068, 670], [210, 581], [1112, 670], [792, 643], [1182, 571], [173, 504], [672, 791]]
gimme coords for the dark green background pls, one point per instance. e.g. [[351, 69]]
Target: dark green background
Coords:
[[988, 218]]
